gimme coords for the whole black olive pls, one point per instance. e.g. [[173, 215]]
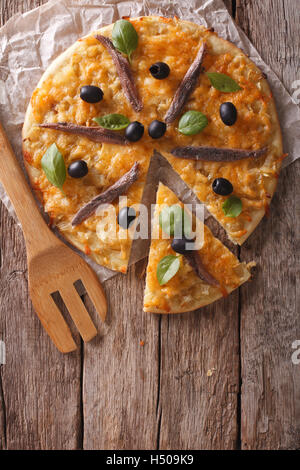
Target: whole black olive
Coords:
[[181, 245], [228, 113], [157, 129], [78, 169], [91, 94], [126, 216], [159, 70], [222, 186], [134, 131]]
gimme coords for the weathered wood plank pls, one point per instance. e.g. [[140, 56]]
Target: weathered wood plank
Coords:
[[9, 8], [120, 384], [41, 387], [40, 393], [269, 314], [199, 410]]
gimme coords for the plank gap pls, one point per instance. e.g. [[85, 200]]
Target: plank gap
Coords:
[[158, 404], [158, 431], [159, 365], [81, 409], [239, 394], [233, 8], [3, 414], [1, 204]]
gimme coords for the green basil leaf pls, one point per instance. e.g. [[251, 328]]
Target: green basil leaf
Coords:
[[54, 166], [192, 123], [115, 122], [173, 220], [232, 207], [124, 37], [223, 82], [167, 268]]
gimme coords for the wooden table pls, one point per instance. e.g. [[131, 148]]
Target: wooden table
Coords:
[[219, 378]]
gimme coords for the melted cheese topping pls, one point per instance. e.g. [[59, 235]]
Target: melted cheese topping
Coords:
[[175, 42], [186, 291]]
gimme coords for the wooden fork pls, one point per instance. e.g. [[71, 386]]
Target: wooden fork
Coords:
[[52, 266]]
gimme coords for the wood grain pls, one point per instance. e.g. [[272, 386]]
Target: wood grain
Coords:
[[41, 387], [200, 378], [182, 388], [41, 399], [120, 382], [9, 8], [270, 400]]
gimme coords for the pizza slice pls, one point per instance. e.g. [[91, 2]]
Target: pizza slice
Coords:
[[174, 283], [104, 234], [244, 190], [72, 160], [226, 143]]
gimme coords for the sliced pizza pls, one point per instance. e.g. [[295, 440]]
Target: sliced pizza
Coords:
[[180, 279]]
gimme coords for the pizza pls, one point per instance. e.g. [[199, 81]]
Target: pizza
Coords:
[[185, 290], [139, 85]]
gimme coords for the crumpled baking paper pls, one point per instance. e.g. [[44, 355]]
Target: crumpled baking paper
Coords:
[[30, 42]]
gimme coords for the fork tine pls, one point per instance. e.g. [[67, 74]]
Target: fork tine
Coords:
[[95, 291], [78, 312], [54, 323]]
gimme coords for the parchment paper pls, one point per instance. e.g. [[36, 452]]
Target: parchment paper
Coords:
[[30, 42]]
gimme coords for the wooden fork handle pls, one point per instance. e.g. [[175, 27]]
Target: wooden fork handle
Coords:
[[16, 187]]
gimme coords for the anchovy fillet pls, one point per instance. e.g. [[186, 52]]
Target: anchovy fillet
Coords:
[[108, 196], [124, 72], [97, 134], [186, 86], [215, 154], [194, 259]]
